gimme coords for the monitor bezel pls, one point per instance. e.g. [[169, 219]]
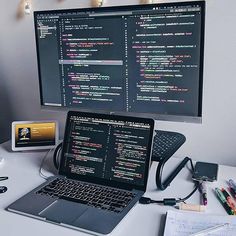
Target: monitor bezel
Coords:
[[156, 116]]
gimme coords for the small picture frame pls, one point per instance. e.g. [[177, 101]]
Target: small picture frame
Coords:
[[34, 135]]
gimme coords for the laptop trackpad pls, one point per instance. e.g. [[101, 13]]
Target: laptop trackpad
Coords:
[[62, 211]]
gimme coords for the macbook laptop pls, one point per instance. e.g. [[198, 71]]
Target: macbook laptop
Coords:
[[103, 172]]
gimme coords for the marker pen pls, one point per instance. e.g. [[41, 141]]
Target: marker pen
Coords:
[[232, 192], [232, 188], [232, 184], [223, 201], [203, 189], [229, 200]]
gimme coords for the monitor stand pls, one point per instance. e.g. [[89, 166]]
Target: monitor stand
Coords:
[[166, 143]]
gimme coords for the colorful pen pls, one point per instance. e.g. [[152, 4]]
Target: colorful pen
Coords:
[[203, 189], [232, 188], [223, 201], [232, 184], [232, 192], [229, 200]]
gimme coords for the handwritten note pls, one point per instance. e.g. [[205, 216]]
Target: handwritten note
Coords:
[[183, 223]]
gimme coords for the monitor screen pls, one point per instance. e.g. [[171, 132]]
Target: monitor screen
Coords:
[[141, 59]]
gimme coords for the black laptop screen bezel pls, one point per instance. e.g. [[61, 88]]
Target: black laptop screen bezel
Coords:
[[102, 181]]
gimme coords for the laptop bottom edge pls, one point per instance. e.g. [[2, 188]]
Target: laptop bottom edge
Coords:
[[44, 219]]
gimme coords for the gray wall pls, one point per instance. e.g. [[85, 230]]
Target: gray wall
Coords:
[[212, 141]]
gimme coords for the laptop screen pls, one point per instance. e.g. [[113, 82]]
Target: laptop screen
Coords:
[[107, 149]]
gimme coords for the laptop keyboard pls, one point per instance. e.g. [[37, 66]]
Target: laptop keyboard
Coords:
[[102, 197]]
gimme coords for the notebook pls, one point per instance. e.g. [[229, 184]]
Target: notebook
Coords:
[[103, 172], [183, 223]]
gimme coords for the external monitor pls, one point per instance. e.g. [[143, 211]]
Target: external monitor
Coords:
[[140, 59]]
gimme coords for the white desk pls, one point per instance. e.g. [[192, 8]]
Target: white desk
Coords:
[[23, 172]]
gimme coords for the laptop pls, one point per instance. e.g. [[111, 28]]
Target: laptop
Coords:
[[103, 173]]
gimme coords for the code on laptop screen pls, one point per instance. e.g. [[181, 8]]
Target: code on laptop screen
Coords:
[[114, 150]]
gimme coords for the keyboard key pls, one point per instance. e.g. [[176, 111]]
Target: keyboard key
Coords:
[[93, 195]]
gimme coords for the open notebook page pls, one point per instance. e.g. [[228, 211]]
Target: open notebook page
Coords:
[[184, 223]]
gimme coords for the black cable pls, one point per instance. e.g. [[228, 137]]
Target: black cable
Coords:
[[191, 162], [56, 155], [3, 178], [164, 184], [146, 200], [172, 201], [168, 201], [41, 165], [188, 196]]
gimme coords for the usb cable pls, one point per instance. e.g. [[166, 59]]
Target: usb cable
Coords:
[[168, 201]]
